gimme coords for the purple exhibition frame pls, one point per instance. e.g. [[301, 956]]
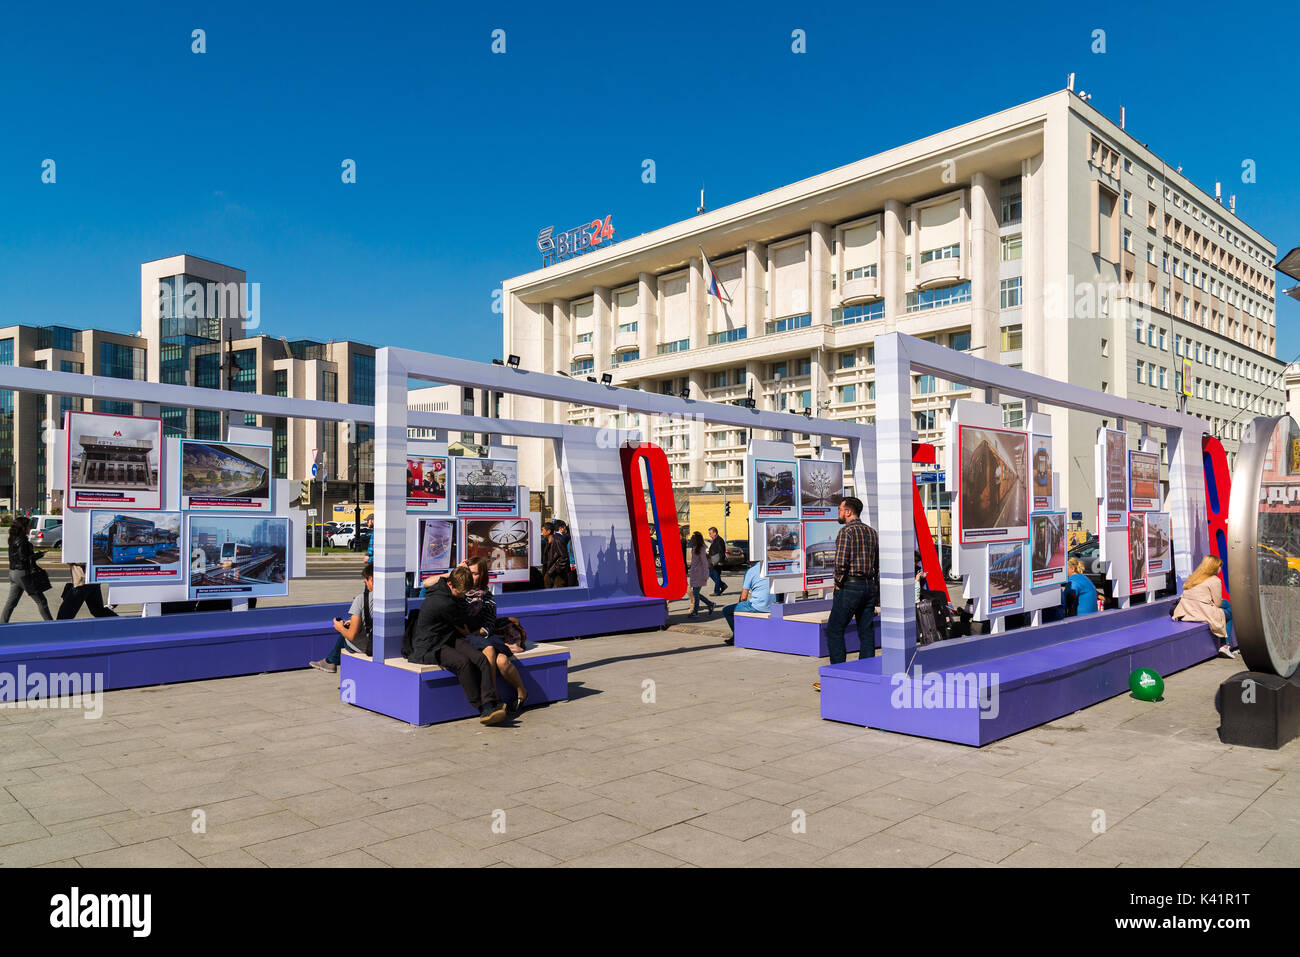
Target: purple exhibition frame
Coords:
[[786, 635]]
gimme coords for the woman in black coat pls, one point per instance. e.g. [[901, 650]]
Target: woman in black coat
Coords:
[[22, 564]]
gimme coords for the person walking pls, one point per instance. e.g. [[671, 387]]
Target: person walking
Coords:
[[699, 574], [77, 593], [23, 570], [755, 595], [1202, 600], [857, 584], [717, 555]]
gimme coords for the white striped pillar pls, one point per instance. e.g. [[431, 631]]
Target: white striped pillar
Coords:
[[894, 506], [390, 505]]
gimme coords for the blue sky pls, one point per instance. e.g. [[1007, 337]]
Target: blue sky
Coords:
[[462, 155]]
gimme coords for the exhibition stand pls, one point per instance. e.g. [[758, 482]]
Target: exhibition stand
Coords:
[[1009, 549], [791, 628]]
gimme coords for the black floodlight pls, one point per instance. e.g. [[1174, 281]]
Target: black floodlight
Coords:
[[807, 412], [513, 362], [606, 379], [591, 378], [497, 362], [686, 392]]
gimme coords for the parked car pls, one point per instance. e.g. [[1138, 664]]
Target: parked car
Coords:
[[1089, 552], [47, 531], [343, 535], [737, 555]]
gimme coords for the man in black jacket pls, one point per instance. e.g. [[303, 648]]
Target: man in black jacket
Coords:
[[717, 555], [438, 641], [555, 558]]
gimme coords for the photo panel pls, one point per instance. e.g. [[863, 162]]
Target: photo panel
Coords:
[[784, 554], [114, 461], [135, 548], [774, 490], [1137, 552], [427, 483], [486, 486], [994, 484], [819, 553], [1160, 543], [1115, 458], [1006, 582], [437, 555], [1047, 549], [225, 475], [237, 556], [505, 543], [821, 486], [1143, 481], [1041, 475]]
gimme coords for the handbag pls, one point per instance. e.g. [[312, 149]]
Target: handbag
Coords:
[[39, 580]]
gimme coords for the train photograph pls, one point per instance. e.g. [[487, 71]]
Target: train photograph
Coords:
[[228, 551]]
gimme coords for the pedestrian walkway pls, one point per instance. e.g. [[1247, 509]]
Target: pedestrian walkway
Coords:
[[673, 750]]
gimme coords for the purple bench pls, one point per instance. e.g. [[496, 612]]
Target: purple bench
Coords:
[[793, 629], [429, 694], [977, 690]]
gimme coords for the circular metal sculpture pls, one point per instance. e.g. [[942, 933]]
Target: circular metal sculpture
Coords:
[[1264, 545]]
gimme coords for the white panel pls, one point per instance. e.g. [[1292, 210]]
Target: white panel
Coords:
[[729, 314], [602, 533], [789, 280], [674, 321], [252, 435], [940, 225], [625, 307], [861, 247]]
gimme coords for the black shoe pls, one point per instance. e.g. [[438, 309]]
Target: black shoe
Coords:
[[730, 641], [493, 713]]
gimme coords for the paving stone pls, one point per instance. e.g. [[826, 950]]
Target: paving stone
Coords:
[[885, 850], [958, 838], [243, 833], [159, 853], [579, 838], [55, 848], [315, 844], [695, 845]]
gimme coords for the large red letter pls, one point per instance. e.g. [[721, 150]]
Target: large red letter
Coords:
[[1218, 490], [664, 539]]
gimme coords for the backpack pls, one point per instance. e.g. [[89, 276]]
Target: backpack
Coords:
[[927, 626], [513, 632]]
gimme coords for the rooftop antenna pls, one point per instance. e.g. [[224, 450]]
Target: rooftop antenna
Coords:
[[1232, 204], [1218, 193], [1121, 117], [700, 209], [1085, 96], [1069, 83]]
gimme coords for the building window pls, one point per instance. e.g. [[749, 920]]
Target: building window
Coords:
[[938, 298], [681, 345], [584, 367], [1012, 248], [923, 384], [943, 252], [788, 323], [362, 387], [627, 327], [848, 393], [848, 360], [1012, 339], [1010, 208], [861, 272], [730, 335], [583, 337], [628, 355], [923, 421], [1011, 293], [1128, 240], [959, 341], [865, 312], [776, 369], [1128, 200], [718, 380]]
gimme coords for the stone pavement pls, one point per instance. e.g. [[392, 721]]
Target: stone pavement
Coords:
[[674, 750]]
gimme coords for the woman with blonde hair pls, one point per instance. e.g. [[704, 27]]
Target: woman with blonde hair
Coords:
[[1202, 600], [1083, 588]]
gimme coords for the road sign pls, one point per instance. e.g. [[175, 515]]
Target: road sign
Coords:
[[315, 469], [927, 478], [311, 513]]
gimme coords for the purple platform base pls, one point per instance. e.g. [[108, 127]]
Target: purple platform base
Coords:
[[135, 652], [977, 690], [430, 697], [785, 631]]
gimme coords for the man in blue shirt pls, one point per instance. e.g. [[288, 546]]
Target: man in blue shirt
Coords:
[[754, 596]]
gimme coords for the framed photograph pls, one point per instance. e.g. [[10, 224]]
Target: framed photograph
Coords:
[[135, 548], [821, 486], [486, 486], [1160, 543], [1143, 481], [1046, 549], [784, 556], [1040, 449], [114, 461], [994, 484], [225, 475], [1137, 552], [819, 553], [1006, 584], [774, 490], [426, 483], [505, 543], [1115, 468], [436, 540], [237, 556]]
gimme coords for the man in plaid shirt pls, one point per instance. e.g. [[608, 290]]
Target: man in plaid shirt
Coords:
[[857, 583]]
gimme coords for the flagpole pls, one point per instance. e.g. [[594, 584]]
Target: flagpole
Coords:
[[705, 258]]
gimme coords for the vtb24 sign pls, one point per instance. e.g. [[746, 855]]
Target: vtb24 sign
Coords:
[[574, 242]]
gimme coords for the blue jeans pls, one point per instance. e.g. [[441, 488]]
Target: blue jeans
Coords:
[[852, 600], [729, 613], [715, 573], [1227, 613]]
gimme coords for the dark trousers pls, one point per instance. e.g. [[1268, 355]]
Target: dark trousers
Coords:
[[852, 600], [92, 596], [716, 574], [468, 664], [556, 579]]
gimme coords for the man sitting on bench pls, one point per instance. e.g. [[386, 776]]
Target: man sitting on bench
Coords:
[[438, 640]]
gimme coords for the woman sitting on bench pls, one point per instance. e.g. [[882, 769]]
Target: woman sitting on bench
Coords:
[[1202, 600], [481, 629]]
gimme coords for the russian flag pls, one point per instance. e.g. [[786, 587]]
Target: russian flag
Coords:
[[711, 285]]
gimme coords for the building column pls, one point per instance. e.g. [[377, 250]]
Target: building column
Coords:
[[647, 315], [561, 344], [696, 307], [695, 467], [893, 281], [755, 283], [985, 337], [1031, 234], [602, 329], [820, 290]]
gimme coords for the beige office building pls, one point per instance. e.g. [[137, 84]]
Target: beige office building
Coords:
[[1043, 236]]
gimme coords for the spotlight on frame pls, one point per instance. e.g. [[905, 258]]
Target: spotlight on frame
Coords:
[[513, 362], [686, 392], [606, 379], [497, 362]]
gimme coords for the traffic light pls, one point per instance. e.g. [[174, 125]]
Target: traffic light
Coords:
[[304, 493], [726, 510]]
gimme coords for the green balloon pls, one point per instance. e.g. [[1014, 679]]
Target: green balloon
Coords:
[[1146, 685]]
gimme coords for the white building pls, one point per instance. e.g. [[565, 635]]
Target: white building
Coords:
[[1043, 235]]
